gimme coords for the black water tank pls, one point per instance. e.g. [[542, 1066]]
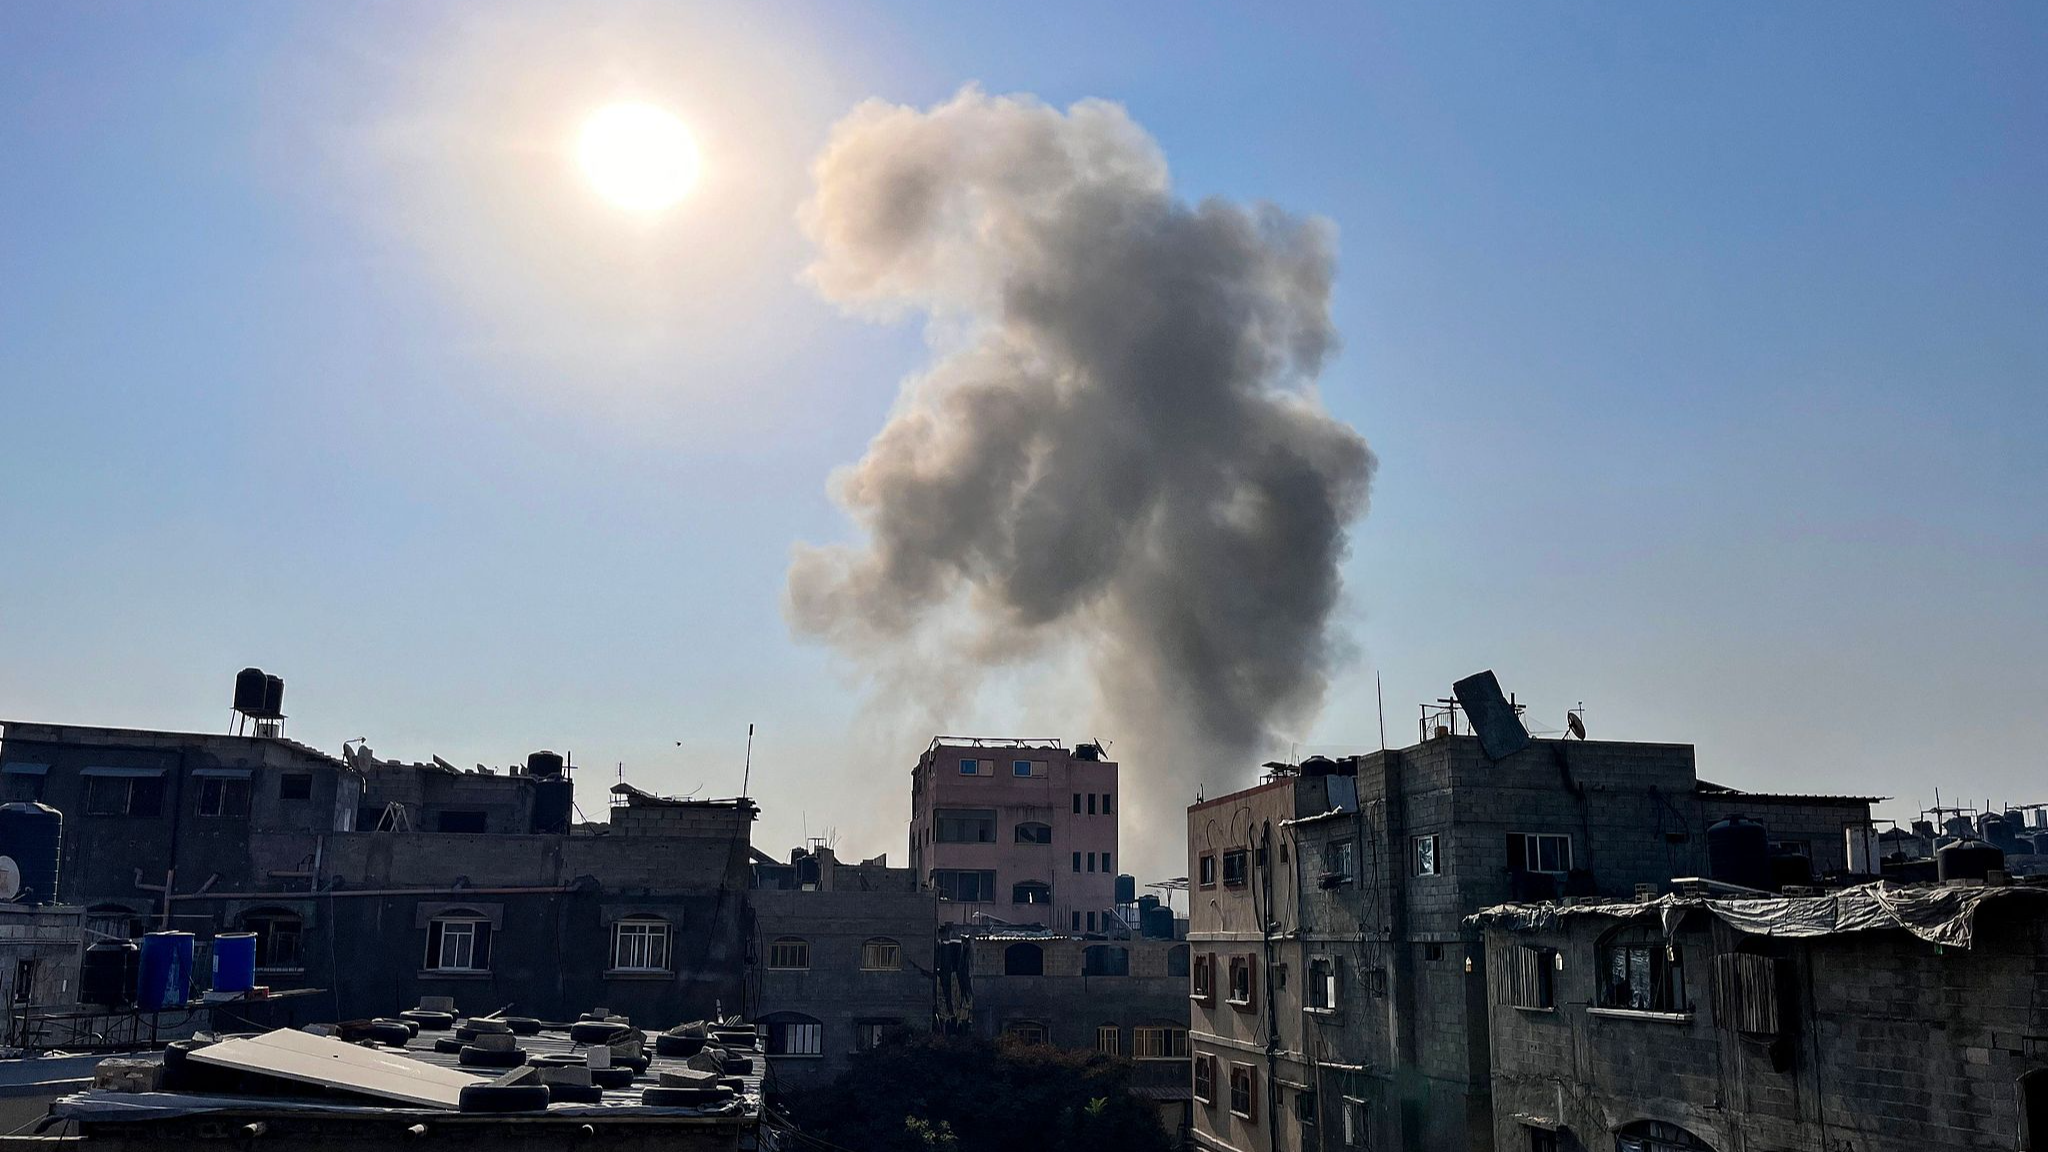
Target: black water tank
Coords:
[[553, 799], [273, 696], [107, 975], [1088, 752], [249, 691], [1157, 924], [32, 835], [1126, 889], [543, 764], [1146, 903], [1318, 766], [1967, 860], [1791, 868], [1739, 852]]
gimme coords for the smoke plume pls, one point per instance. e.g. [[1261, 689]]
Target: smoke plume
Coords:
[[1115, 454]]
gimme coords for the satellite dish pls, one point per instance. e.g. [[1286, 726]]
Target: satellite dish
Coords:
[[1577, 726], [10, 878]]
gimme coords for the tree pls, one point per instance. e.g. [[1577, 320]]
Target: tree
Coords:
[[948, 1093]]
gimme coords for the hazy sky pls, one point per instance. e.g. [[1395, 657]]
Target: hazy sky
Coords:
[[1704, 351]]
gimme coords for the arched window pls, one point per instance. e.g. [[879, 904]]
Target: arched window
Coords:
[[794, 1034], [1177, 960], [641, 944], [1657, 1136], [1105, 960], [1640, 970], [459, 940], [881, 954], [1023, 960], [2034, 1109], [1031, 892], [278, 935], [1025, 1031], [790, 954], [1031, 833]]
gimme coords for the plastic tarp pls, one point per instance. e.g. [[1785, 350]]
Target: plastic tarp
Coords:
[[1939, 915]]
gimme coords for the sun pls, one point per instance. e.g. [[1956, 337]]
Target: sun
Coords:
[[638, 156]]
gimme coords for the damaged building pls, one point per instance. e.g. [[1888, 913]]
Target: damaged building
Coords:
[[1338, 990], [1879, 1017]]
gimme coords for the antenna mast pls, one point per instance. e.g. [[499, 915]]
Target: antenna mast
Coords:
[[747, 775]]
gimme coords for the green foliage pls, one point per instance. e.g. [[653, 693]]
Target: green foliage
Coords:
[[966, 1094]]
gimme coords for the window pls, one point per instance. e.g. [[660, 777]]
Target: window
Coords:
[[2034, 1108], [1105, 862], [1747, 990], [223, 797], [790, 954], [295, 786], [1202, 985], [1639, 970], [1241, 1080], [459, 942], [1532, 977], [1091, 803], [870, 1034], [1077, 921], [1025, 1031], [1034, 833], [1206, 869], [469, 822], [22, 787], [1432, 952], [1338, 864], [1106, 1039], [1030, 892], [1241, 981], [1542, 1140], [881, 954], [278, 936], [1321, 992], [1205, 1079], [1020, 767], [640, 944], [1427, 862], [1160, 1042], [1105, 960], [970, 767], [1077, 861], [1235, 865], [1305, 1108], [1077, 803], [1091, 921], [1539, 852], [1023, 960], [965, 886], [965, 825], [124, 795], [1280, 976], [1354, 1122], [1109, 803], [790, 1034], [1091, 861], [1177, 960], [24, 981]]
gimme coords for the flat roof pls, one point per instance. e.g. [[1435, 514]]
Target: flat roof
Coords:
[[100, 733], [1709, 788]]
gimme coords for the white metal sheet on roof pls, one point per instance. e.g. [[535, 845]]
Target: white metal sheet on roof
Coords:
[[321, 1060]]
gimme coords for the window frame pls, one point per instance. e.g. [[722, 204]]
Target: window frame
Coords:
[[222, 791], [881, 954], [1036, 826], [1532, 978], [981, 821], [1322, 989], [655, 940], [789, 954], [1430, 863], [1159, 1042], [1663, 968], [265, 923], [1250, 1111], [808, 1031], [1027, 1032], [1346, 868], [1204, 1086], [1202, 977], [475, 926], [1531, 844], [1107, 1039], [949, 893], [1205, 870], [1031, 893], [1242, 857], [289, 778], [1247, 964]]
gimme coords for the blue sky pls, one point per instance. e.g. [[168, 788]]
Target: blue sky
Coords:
[[1703, 350]]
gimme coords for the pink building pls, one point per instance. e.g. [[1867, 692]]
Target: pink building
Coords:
[[1023, 831]]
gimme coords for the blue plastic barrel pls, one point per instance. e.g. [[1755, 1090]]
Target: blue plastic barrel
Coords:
[[234, 962], [165, 977]]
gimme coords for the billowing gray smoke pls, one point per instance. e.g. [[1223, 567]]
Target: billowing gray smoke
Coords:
[[1114, 452]]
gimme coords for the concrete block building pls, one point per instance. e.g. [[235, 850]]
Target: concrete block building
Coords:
[[1338, 992], [1885, 1018], [842, 960], [1016, 831]]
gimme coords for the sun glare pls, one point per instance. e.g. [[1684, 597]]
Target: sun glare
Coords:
[[638, 156]]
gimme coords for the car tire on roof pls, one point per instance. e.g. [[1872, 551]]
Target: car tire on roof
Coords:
[[473, 1057], [504, 1098]]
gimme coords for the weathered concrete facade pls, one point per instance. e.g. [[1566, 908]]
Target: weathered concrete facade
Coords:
[[842, 958], [1364, 871], [1024, 831], [1876, 1041]]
